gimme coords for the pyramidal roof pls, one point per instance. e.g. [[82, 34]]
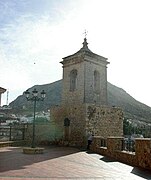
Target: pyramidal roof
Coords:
[[84, 51]]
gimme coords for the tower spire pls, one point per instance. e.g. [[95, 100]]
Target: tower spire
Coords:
[[85, 44]]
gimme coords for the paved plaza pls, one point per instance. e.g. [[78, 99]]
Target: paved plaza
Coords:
[[64, 163]]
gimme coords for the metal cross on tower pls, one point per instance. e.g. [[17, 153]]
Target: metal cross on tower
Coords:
[[85, 33]]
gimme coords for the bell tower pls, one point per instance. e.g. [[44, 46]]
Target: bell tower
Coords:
[[84, 77], [84, 107]]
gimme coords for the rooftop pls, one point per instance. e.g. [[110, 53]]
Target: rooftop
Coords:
[[86, 51], [2, 90]]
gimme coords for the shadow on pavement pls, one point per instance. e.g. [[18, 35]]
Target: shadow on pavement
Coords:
[[135, 170], [107, 159], [13, 158], [89, 152], [142, 173]]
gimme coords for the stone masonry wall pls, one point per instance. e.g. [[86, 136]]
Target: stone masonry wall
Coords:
[[104, 121], [143, 152], [76, 115], [84, 92], [140, 158], [70, 97], [90, 96], [86, 119]]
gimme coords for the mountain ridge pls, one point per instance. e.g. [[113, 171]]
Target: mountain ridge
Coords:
[[118, 97]]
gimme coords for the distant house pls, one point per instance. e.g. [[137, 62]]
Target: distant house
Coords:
[[2, 90]]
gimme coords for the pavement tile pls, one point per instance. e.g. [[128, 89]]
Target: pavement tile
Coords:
[[61, 163]]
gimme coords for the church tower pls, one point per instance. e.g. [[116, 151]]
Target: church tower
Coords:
[[84, 108], [84, 77]]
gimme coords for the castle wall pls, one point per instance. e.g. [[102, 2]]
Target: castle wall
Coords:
[[104, 121], [76, 129], [86, 119]]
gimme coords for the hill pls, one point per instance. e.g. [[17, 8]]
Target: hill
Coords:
[[132, 108]]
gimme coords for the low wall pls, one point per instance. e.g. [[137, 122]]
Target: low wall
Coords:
[[140, 158], [12, 143], [45, 133]]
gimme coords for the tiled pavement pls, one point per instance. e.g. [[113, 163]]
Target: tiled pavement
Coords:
[[63, 163]]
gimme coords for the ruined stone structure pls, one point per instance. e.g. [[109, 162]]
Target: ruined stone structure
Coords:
[[84, 107]]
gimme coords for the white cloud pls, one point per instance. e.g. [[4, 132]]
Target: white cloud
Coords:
[[32, 45]]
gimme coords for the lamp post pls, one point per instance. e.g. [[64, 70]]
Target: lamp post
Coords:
[[34, 98]]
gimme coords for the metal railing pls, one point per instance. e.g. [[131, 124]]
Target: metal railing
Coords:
[[103, 143], [128, 145], [10, 133]]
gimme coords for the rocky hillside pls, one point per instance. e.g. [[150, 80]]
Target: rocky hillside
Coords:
[[132, 108]]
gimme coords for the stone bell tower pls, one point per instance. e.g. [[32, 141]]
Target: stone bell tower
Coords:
[[84, 77], [84, 106]]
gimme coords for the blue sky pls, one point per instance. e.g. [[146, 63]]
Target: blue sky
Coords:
[[36, 34]]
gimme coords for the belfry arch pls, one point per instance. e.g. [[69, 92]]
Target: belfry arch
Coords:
[[73, 80], [96, 82]]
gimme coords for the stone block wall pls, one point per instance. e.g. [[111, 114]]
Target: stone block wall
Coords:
[[84, 92], [104, 121], [143, 152], [86, 119], [76, 96], [76, 116], [90, 95], [141, 157]]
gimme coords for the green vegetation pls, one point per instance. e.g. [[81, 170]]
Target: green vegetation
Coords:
[[41, 120], [129, 129]]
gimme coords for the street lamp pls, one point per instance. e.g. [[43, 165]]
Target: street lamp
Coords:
[[34, 98]]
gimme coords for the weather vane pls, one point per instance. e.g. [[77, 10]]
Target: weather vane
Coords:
[[85, 33]]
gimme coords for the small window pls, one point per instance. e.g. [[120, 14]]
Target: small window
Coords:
[[66, 122], [73, 80], [96, 82]]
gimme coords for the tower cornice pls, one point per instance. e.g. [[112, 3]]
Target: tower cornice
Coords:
[[84, 52]]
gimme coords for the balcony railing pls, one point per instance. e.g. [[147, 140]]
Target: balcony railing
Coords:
[[128, 145], [103, 143]]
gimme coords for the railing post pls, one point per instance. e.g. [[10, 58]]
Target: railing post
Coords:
[[96, 143], [114, 143], [23, 133], [10, 133], [143, 152]]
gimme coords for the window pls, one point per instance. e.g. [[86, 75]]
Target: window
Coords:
[[96, 82], [73, 80]]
